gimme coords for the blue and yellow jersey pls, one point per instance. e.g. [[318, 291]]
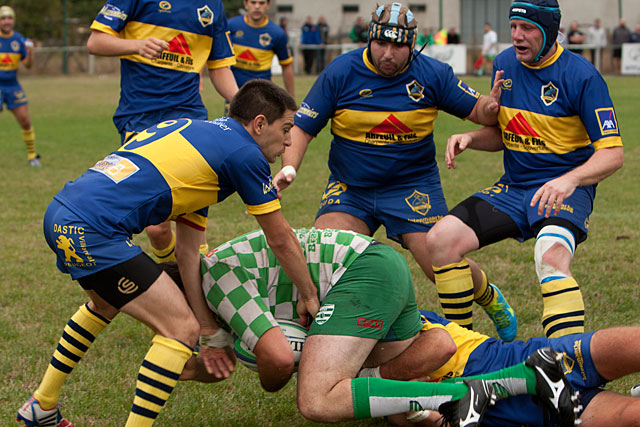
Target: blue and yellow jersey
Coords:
[[466, 340], [255, 47], [382, 127], [553, 116], [12, 51], [197, 35], [173, 170]]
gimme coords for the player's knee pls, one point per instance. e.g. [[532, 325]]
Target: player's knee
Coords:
[[551, 236], [312, 408]]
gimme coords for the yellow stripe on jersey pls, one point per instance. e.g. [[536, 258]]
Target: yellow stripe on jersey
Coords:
[[384, 127], [466, 340], [98, 26], [176, 157], [224, 62], [252, 59], [269, 207], [9, 61], [180, 56], [527, 131]]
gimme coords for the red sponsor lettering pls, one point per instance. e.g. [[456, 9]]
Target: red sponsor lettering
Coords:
[[369, 323]]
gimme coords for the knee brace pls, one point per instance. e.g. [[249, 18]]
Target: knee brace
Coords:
[[547, 237]]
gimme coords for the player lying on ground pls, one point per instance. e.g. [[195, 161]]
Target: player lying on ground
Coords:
[[368, 317]]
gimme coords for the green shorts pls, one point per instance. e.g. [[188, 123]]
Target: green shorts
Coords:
[[374, 298]]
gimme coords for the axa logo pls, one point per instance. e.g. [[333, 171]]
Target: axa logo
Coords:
[[67, 245], [607, 120], [127, 286]]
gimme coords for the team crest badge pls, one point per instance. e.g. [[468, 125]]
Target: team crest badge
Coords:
[[325, 313], [549, 94], [264, 39], [419, 202], [205, 15], [239, 34], [414, 89], [15, 46]]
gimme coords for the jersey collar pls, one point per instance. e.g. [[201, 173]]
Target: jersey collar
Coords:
[[262, 24], [365, 59], [549, 61]]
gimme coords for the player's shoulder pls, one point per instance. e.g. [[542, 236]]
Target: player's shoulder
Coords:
[[236, 21]]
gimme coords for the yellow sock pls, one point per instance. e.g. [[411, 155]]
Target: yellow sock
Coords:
[[455, 290], [29, 138], [563, 312], [157, 377], [167, 254], [77, 337], [486, 295]]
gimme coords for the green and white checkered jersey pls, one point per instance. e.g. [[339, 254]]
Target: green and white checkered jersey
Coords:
[[244, 284]]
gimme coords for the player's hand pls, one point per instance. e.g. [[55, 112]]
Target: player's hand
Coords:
[[552, 194], [456, 144], [283, 179], [218, 361], [152, 47], [28, 43], [496, 92], [307, 310]]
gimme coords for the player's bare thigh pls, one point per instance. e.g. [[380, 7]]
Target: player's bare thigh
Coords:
[[342, 221], [22, 116], [611, 409]]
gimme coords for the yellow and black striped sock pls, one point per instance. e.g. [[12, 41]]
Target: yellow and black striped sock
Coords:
[[455, 290], [486, 295], [563, 312], [77, 337], [167, 254], [157, 377], [29, 138]]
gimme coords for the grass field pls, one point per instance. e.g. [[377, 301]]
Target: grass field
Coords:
[[72, 119]]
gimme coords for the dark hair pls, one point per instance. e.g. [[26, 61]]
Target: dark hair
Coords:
[[260, 96]]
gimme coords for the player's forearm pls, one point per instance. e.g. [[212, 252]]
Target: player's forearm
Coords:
[[224, 82], [488, 138], [295, 152], [104, 44], [483, 114], [600, 165], [287, 77], [288, 252]]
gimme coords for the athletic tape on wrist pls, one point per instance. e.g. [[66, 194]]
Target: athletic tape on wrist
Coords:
[[370, 372], [220, 339], [418, 416], [289, 171]]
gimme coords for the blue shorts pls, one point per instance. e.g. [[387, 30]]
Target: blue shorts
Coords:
[[579, 369], [13, 96], [81, 250], [130, 125], [405, 208], [514, 201]]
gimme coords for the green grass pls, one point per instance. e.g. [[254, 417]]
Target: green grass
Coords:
[[72, 119]]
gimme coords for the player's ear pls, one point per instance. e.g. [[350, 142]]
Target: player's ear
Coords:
[[259, 124]]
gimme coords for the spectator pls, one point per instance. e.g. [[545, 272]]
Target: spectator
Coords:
[[621, 34], [489, 50], [283, 24], [575, 36], [425, 38], [596, 36], [635, 36], [453, 37], [359, 32], [310, 38], [323, 28]]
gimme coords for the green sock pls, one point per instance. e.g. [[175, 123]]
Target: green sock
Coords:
[[508, 382], [375, 397]]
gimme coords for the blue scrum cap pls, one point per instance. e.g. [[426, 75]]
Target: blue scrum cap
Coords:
[[545, 14], [394, 23]]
